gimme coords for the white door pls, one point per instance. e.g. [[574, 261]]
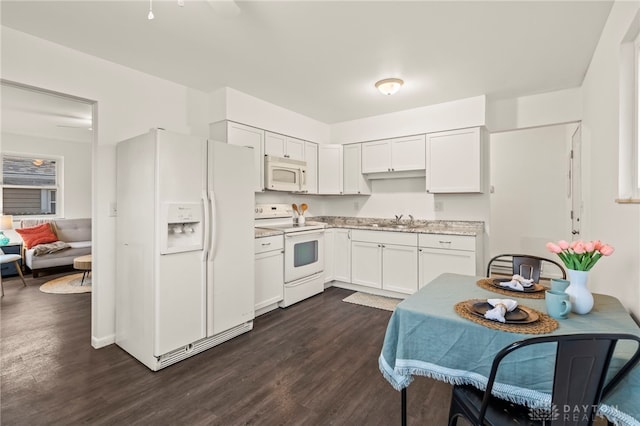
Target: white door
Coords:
[[376, 157], [230, 289], [180, 287], [433, 262], [353, 180], [342, 255], [311, 157], [250, 137], [575, 194], [529, 190], [330, 166], [329, 238], [366, 264], [400, 268], [269, 278], [408, 153], [294, 149], [275, 144]]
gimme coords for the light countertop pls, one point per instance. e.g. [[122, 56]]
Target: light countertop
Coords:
[[445, 227]]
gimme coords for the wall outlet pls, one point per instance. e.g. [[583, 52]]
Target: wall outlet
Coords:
[[438, 206], [356, 204]]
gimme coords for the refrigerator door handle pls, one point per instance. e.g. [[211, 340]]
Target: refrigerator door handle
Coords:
[[207, 234], [214, 228]]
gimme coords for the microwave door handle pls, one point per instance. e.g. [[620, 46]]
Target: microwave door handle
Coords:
[[303, 181]]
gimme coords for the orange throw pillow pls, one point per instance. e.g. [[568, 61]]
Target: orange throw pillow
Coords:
[[40, 234]]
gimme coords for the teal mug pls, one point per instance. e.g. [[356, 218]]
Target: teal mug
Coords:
[[558, 284], [558, 304]]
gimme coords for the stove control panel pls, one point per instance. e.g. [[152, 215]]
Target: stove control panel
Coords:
[[265, 211]]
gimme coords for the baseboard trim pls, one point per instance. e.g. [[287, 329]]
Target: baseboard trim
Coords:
[[101, 342]]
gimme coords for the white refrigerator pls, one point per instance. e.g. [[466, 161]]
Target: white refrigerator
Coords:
[[185, 267]]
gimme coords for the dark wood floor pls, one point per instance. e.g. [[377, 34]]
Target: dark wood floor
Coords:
[[314, 363]]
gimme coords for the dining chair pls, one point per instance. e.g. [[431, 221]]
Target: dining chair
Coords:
[[589, 354], [8, 258], [526, 265]]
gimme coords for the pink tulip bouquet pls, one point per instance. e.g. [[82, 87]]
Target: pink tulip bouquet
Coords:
[[580, 255]]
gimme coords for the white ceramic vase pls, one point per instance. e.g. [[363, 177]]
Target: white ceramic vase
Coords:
[[579, 295]]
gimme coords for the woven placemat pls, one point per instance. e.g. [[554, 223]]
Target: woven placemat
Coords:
[[544, 325], [486, 283]]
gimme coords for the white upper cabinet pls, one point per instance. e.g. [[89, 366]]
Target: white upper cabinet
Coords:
[[251, 137], [283, 146], [354, 181], [394, 155], [454, 161], [311, 157], [330, 169], [376, 157]]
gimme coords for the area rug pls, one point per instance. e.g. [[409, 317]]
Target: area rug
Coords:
[[373, 301], [67, 285]]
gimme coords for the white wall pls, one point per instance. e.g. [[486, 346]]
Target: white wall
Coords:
[[458, 114], [530, 205], [129, 103], [561, 106], [230, 104], [76, 164], [613, 223]]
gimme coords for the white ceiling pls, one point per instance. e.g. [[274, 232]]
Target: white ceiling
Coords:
[[322, 58]]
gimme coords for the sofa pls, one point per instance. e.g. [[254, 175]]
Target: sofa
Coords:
[[75, 232]]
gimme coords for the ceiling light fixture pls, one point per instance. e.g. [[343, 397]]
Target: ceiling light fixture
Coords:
[[150, 15], [389, 86]]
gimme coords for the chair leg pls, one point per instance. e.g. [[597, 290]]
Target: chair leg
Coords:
[[20, 272], [403, 406]]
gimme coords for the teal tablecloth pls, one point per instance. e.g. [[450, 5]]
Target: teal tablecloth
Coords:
[[426, 337]]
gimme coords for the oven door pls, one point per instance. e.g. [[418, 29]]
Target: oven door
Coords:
[[303, 254]]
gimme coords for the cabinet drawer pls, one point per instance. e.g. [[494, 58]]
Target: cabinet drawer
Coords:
[[264, 244], [443, 241], [385, 237]]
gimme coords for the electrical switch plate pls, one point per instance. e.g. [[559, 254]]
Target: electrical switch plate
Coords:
[[438, 206]]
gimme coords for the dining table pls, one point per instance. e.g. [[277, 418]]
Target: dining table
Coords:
[[427, 337]]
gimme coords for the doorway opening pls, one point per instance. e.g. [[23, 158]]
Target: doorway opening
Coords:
[[47, 152], [535, 188]]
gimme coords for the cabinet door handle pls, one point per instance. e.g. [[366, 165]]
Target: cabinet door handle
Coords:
[[266, 244], [444, 242], [349, 234]]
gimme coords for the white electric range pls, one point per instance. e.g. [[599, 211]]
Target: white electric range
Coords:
[[303, 251]]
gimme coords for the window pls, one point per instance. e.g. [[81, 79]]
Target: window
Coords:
[[30, 185]]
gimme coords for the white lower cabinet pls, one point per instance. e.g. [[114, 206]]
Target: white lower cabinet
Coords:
[[342, 255], [439, 254], [329, 238], [400, 268], [385, 260], [269, 273], [366, 264]]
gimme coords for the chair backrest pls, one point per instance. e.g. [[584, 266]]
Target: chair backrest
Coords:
[[581, 366], [526, 265]]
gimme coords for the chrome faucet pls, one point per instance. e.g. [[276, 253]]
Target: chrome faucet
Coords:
[[411, 220], [398, 219]]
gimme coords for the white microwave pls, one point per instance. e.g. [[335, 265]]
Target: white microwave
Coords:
[[285, 174]]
